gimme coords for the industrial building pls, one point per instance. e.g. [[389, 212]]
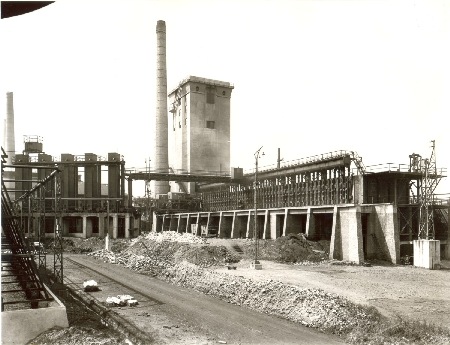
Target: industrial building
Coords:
[[385, 212], [363, 212], [199, 134], [89, 193]]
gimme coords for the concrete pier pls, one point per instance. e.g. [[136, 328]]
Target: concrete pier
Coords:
[[427, 254]]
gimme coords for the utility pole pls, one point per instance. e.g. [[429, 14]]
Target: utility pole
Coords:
[[279, 159], [256, 264]]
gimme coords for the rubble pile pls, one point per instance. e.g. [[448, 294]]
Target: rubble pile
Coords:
[[157, 251], [182, 259], [310, 307], [173, 236], [291, 248], [206, 256], [105, 255], [85, 245]]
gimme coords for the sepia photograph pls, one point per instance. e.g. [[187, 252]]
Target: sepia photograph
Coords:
[[225, 172]]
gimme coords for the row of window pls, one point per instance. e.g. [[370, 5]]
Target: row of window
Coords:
[[209, 124]]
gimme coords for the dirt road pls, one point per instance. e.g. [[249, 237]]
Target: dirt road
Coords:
[[174, 315], [413, 293]]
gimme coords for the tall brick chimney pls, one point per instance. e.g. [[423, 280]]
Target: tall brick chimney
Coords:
[[161, 156]]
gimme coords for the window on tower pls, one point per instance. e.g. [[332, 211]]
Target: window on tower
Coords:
[[210, 124], [210, 97]]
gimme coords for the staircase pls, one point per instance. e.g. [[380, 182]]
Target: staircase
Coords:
[[358, 162], [21, 284]]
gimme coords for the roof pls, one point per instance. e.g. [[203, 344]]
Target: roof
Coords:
[[206, 81]]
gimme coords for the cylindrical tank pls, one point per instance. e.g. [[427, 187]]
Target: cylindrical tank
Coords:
[[69, 180], [161, 160], [114, 181], [91, 179]]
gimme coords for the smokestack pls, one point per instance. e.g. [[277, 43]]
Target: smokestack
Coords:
[[161, 163], [9, 144]]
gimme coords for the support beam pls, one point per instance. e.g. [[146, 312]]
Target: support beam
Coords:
[[310, 224]]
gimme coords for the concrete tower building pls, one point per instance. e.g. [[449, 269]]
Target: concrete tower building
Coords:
[[161, 161], [199, 128]]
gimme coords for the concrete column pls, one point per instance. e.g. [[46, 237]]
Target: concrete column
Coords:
[[127, 225], [207, 223], [351, 232], [84, 226], [310, 224], [266, 229], [249, 232], [336, 238], [156, 223], [189, 223], [101, 226], [173, 223], [164, 221], [383, 234], [180, 224], [88, 227], [130, 193], [358, 189], [115, 218], [220, 231], [198, 230], [273, 225], [234, 227], [286, 213]]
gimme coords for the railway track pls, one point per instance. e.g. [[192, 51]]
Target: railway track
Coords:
[[96, 301], [174, 315], [106, 280]]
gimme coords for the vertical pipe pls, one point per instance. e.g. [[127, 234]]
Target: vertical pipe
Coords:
[[161, 127], [279, 159]]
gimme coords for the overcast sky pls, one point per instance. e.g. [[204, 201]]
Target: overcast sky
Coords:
[[310, 76]]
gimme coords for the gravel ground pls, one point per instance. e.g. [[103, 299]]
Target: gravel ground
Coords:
[[307, 289]]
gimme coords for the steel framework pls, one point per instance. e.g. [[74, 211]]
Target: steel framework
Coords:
[[430, 180]]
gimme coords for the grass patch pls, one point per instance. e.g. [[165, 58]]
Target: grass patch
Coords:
[[398, 331]]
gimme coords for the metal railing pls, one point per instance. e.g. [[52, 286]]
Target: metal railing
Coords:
[[134, 170], [303, 161], [395, 167]]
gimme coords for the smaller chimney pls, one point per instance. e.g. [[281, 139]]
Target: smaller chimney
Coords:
[[10, 146]]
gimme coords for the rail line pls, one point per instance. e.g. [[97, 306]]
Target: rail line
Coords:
[[107, 315], [177, 315], [127, 287]]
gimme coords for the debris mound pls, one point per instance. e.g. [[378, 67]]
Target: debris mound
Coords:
[[292, 248], [157, 251]]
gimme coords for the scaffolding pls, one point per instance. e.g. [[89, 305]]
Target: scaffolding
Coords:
[[430, 180]]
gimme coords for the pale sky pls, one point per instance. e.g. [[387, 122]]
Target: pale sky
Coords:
[[310, 77]]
